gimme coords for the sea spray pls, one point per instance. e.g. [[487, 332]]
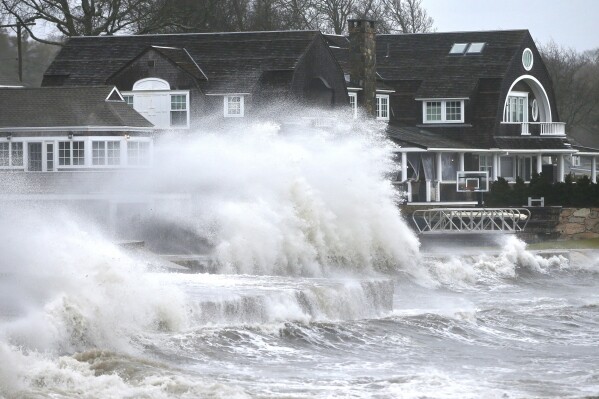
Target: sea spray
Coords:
[[289, 200]]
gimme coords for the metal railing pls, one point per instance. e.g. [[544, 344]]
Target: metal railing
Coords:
[[471, 220]]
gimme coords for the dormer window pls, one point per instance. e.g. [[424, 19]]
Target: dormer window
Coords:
[[155, 101], [443, 111], [234, 106], [516, 107], [382, 107], [178, 110]]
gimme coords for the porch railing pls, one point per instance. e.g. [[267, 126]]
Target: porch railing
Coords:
[[544, 128]]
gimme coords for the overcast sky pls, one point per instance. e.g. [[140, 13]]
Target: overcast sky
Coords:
[[570, 23]]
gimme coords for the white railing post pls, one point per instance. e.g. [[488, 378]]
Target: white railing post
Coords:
[[525, 128], [404, 166]]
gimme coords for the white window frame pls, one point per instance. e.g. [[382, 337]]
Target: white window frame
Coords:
[[171, 93], [127, 97], [534, 110], [70, 150], [527, 53], [226, 111], [379, 107], [120, 146], [485, 163], [87, 152], [576, 161], [443, 110], [11, 145], [506, 112], [353, 103], [186, 110], [138, 164]]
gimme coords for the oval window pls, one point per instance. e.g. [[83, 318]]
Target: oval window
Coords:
[[527, 59], [535, 110]]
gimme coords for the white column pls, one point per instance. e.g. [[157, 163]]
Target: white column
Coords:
[[560, 168], [404, 166], [461, 162], [428, 191], [539, 163], [409, 185], [594, 169], [495, 166], [438, 192], [439, 167]]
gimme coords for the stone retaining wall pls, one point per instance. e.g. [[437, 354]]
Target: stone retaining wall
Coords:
[[578, 223]]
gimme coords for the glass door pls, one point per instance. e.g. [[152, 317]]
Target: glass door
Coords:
[[34, 157]]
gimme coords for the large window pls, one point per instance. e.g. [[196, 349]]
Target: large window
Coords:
[[71, 153], [382, 107], [178, 110], [234, 106], [106, 153], [443, 111], [506, 167], [11, 154], [138, 153], [516, 108], [485, 163]]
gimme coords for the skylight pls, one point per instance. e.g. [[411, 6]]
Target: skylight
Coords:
[[458, 48], [467, 48], [475, 48]]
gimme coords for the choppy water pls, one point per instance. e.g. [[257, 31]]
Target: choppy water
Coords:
[[505, 330], [319, 291]]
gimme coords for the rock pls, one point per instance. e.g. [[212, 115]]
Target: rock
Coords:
[[574, 219], [583, 212], [573, 228]]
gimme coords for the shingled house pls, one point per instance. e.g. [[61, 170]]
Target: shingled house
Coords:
[[70, 129], [180, 80], [473, 101]]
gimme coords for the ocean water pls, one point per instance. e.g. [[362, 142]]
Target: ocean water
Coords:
[[318, 290]]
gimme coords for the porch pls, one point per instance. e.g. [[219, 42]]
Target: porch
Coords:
[[431, 176]]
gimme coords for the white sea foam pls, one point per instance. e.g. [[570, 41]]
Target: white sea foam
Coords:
[[291, 200], [466, 271]]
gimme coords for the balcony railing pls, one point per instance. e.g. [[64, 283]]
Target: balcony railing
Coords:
[[544, 128]]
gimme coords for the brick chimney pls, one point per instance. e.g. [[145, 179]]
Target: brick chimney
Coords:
[[362, 58]]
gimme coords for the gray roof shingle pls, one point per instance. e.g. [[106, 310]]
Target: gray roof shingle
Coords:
[[425, 57], [65, 106], [416, 137], [232, 62]]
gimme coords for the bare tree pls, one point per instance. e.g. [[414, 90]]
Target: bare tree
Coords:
[[575, 79], [407, 16], [79, 18], [335, 13]]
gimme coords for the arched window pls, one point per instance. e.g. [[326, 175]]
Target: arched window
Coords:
[[151, 84]]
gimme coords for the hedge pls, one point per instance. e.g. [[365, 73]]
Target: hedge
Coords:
[[571, 193]]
